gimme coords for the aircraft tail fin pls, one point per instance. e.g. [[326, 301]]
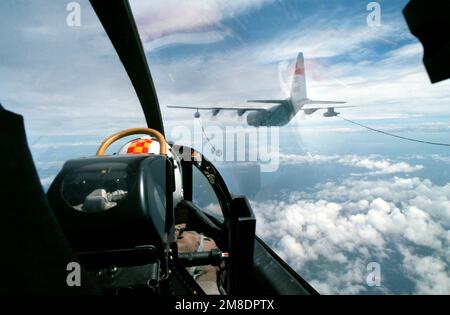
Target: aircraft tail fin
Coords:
[[298, 88]]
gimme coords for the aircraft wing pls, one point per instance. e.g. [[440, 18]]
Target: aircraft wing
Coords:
[[268, 101], [220, 108], [325, 107], [311, 102], [241, 110]]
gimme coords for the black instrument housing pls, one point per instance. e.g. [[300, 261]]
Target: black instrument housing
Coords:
[[136, 221]]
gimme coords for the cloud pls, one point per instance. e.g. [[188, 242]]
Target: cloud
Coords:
[[350, 280], [329, 236], [434, 157], [58, 145], [326, 39], [432, 272], [185, 38], [45, 165], [46, 182], [407, 51], [378, 166], [157, 19], [441, 158], [307, 158]]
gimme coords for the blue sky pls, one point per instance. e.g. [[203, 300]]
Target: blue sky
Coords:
[[342, 196]]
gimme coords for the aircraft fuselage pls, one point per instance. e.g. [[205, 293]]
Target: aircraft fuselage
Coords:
[[277, 116]]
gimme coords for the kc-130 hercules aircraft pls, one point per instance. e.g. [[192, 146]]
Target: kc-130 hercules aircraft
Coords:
[[282, 113]]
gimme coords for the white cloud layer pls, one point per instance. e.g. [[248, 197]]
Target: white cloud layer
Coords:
[[377, 165], [331, 235]]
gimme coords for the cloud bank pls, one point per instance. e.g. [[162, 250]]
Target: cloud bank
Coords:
[[329, 236], [377, 165]]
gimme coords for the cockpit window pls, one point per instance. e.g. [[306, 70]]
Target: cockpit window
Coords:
[[203, 195], [60, 71]]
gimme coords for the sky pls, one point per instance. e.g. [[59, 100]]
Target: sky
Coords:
[[341, 197]]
